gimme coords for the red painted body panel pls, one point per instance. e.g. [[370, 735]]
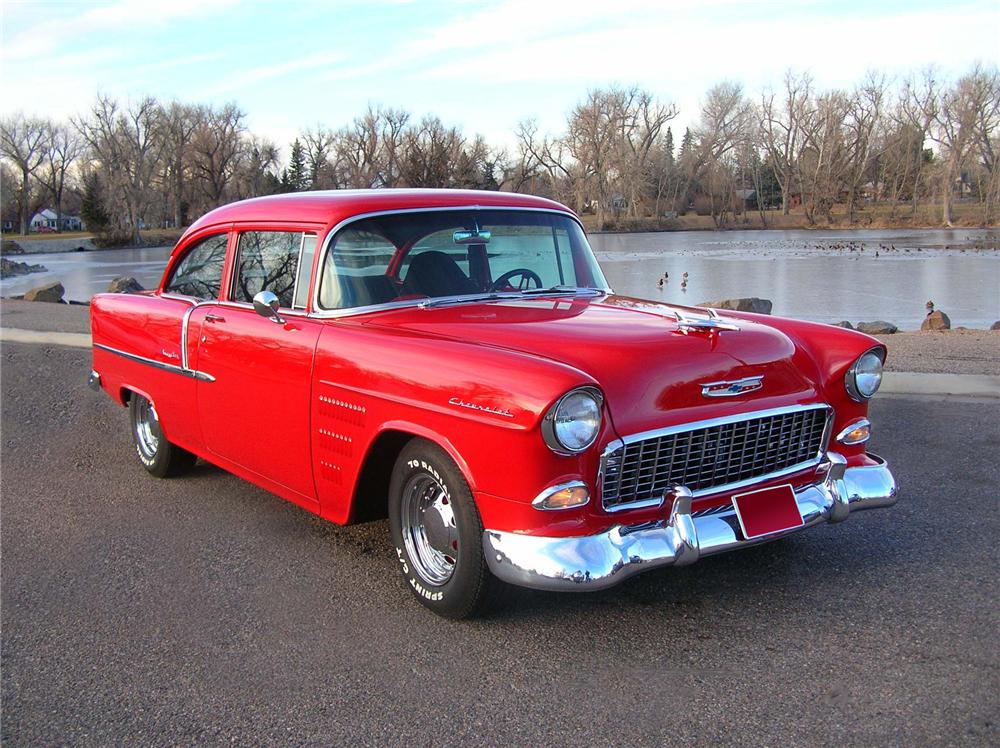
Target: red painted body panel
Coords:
[[297, 407]]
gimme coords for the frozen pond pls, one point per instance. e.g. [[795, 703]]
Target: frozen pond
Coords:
[[823, 276]]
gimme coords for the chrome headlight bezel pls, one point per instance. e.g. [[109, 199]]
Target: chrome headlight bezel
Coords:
[[856, 392], [551, 419]]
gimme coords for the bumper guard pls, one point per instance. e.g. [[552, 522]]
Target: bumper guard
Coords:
[[594, 562]]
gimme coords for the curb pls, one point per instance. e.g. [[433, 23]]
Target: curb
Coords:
[[72, 339], [920, 383]]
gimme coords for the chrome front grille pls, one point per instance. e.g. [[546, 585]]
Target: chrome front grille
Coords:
[[713, 455]]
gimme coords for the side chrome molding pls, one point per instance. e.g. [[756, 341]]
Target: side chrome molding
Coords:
[[172, 368]]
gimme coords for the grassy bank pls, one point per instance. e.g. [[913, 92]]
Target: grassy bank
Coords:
[[967, 215]]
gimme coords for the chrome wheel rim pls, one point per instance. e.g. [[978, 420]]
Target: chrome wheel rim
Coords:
[[147, 429], [429, 530]]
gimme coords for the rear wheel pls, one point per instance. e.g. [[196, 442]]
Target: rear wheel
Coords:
[[157, 455], [437, 532]]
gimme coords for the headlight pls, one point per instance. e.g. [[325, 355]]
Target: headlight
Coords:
[[572, 424], [865, 376]]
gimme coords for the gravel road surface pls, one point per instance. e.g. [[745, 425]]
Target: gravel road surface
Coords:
[[204, 611]]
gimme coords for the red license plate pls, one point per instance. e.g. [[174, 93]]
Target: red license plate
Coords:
[[767, 510]]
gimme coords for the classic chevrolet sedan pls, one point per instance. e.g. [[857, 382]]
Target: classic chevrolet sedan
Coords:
[[456, 361]]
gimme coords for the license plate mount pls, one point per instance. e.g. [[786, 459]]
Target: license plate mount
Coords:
[[767, 511]]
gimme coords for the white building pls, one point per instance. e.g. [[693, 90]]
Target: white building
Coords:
[[45, 220]]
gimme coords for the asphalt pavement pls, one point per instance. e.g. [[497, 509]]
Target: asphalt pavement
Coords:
[[204, 610]]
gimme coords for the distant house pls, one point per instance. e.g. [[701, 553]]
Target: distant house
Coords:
[[46, 220], [747, 198]]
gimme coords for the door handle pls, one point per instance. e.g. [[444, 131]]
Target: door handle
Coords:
[[214, 318]]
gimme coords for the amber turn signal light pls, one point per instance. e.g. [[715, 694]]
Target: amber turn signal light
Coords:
[[565, 496], [856, 433]]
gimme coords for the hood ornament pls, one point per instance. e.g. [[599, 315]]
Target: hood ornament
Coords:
[[733, 387], [713, 322]]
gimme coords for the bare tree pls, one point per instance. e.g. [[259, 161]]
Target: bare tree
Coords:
[[179, 123], [823, 160], [865, 109], [258, 170], [319, 145], [127, 143], [781, 124], [63, 148], [216, 148], [23, 142], [611, 135]]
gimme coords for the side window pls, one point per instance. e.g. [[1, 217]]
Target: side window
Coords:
[[199, 273], [354, 273], [270, 261]]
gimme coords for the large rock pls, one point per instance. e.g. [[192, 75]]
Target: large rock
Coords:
[[936, 320], [13, 268], [52, 292], [751, 304], [10, 247], [125, 284], [844, 323], [995, 325], [877, 328]]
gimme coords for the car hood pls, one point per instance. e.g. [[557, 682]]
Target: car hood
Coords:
[[651, 369]]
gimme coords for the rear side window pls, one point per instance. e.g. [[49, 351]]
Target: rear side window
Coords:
[[199, 273], [275, 261]]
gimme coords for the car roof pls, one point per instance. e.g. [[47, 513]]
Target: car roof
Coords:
[[330, 207]]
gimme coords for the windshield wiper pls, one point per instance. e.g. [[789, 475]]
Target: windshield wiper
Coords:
[[466, 299], [559, 290]]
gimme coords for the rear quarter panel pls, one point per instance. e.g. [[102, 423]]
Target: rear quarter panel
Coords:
[[149, 326]]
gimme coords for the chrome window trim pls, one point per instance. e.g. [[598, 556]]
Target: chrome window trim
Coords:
[[321, 313], [172, 368], [709, 423], [285, 312]]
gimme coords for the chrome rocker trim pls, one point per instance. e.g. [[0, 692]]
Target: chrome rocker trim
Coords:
[[595, 562]]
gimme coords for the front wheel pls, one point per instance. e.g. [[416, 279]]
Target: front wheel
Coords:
[[157, 455], [437, 533]]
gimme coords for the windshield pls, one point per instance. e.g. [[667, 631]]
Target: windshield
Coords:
[[434, 254]]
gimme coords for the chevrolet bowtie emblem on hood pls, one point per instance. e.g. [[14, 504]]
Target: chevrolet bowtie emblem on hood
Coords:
[[734, 387]]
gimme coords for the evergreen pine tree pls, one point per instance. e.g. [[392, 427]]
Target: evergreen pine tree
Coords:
[[95, 216], [298, 178], [687, 143], [668, 148]]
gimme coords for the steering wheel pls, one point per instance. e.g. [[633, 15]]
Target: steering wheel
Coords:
[[527, 278]]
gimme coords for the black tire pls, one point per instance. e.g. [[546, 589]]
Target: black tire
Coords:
[[157, 455], [424, 470]]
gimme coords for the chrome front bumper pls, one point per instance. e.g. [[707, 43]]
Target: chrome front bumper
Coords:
[[594, 562]]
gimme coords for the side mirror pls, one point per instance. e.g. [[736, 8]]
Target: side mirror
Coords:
[[265, 303]]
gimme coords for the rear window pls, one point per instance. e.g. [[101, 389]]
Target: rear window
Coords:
[[199, 272]]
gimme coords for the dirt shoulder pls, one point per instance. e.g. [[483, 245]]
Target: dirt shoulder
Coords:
[[948, 352], [44, 317]]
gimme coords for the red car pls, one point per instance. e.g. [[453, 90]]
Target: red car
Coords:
[[455, 360]]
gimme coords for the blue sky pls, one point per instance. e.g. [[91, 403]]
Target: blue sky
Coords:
[[482, 65]]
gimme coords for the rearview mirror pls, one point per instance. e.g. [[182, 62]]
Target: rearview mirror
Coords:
[[265, 303], [471, 237]]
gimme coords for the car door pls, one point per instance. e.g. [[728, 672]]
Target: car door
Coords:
[[255, 413]]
